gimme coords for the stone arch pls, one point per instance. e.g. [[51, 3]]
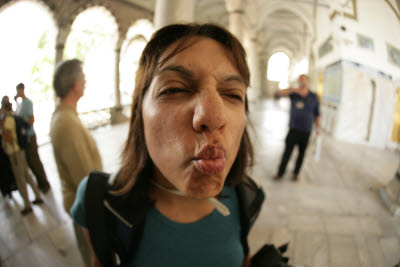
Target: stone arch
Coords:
[[297, 38], [128, 66], [85, 8], [145, 35], [70, 11], [43, 4], [23, 51], [27, 55], [94, 4], [138, 37], [98, 51], [141, 31], [283, 49], [278, 51], [290, 8], [280, 46], [280, 40]]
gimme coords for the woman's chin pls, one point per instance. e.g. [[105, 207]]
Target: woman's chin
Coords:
[[204, 189]]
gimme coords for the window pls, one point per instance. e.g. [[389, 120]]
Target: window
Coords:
[[278, 69]]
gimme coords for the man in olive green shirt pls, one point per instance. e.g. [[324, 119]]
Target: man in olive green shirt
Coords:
[[75, 150]]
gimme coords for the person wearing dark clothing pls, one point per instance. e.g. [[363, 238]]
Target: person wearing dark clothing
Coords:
[[25, 110], [16, 155], [304, 111], [7, 180]]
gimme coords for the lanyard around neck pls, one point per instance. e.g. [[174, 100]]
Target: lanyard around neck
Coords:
[[219, 206]]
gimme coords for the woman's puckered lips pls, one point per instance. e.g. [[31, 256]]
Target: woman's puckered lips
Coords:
[[210, 160]]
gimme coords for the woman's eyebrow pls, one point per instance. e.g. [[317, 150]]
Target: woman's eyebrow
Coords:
[[177, 68], [189, 74], [235, 78]]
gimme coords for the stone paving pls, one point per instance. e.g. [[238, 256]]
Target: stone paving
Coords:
[[332, 216]]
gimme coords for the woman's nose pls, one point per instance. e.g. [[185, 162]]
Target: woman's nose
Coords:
[[209, 113]]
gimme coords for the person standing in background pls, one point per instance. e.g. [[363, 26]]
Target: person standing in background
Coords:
[[304, 110], [16, 155], [25, 110], [74, 149], [7, 180]]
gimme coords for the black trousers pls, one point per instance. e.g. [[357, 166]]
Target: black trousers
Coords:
[[35, 164], [293, 138]]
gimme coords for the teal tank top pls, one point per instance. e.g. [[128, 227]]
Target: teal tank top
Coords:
[[211, 241]]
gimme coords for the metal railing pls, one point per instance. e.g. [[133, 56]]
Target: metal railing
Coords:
[[100, 117]]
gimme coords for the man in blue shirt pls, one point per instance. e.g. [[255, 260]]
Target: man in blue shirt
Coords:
[[304, 111], [25, 110]]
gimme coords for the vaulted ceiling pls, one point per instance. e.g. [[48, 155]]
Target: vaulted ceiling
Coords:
[[278, 25]]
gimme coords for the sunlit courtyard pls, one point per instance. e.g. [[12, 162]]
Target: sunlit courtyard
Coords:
[[341, 212], [30, 57]]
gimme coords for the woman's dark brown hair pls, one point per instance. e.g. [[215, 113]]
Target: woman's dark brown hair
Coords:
[[136, 162]]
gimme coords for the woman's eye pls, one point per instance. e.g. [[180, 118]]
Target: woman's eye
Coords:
[[233, 94], [170, 91], [238, 97], [235, 97]]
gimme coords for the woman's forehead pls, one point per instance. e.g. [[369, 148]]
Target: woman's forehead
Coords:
[[189, 43], [195, 51]]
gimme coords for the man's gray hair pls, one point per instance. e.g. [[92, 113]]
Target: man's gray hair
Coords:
[[66, 72]]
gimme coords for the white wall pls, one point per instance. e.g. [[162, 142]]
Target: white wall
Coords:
[[376, 20], [325, 28], [354, 111]]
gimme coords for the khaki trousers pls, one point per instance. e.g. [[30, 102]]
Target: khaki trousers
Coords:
[[22, 176]]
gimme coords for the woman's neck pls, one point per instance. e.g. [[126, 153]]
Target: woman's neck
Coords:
[[178, 208]]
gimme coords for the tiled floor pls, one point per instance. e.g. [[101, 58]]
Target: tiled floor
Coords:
[[332, 216]]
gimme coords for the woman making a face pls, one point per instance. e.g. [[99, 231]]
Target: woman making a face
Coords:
[[185, 157]]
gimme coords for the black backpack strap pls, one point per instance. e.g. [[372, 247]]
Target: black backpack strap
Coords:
[[96, 216], [118, 228], [251, 198]]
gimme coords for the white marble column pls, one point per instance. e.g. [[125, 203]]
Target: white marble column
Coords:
[[236, 17], [116, 112], [263, 76], [312, 73], [255, 70], [173, 11], [61, 38], [59, 53], [267, 86], [117, 80]]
